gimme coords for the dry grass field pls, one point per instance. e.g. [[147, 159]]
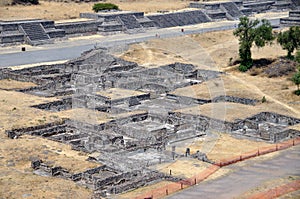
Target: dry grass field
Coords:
[[225, 84], [16, 176], [213, 51], [147, 189], [60, 10], [8, 84]]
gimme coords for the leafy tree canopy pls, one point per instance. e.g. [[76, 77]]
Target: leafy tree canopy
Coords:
[[290, 40], [252, 32], [104, 6]]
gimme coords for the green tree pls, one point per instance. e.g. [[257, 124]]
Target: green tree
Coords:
[[104, 6], [289, 40], [249, 32], [296, 80]]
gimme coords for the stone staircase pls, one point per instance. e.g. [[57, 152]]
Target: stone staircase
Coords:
[[292, 20], [35, 33], [282, 4], [231, 9], [32, 31], [296, 2], [258, 6], [179, 18], [242, 9], [212, 9], [130, 23]]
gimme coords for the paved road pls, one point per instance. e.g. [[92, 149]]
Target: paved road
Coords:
[[246, 177], [72, 49]]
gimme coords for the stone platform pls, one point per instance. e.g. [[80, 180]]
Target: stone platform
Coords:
[[292, 20]]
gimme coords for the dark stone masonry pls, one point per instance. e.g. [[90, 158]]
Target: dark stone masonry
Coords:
[[142, 117], [128, 113], [38, 32]]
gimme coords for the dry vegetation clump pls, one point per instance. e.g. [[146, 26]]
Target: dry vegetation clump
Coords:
[[281, 67], [273, 67]]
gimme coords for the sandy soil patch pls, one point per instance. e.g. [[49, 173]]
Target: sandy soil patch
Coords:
[[20, 152], [147, 189], [93, 116], [117, 93], [223, 146], [222, 111], [85, 115], [279, 90], [36, 64], [184, 167], [9, 84], [150, 57], [58, 11], [225, 85], [230, 112], [223, 46], [15, 184], [295, 127], [165, 51], [16, 177], [16, 112]]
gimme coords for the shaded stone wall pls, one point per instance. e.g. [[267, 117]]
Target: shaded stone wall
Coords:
[[79, 27]]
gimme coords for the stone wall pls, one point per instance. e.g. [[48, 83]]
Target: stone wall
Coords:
[[11, 38], [179, 18], [292, 20], [63, 104], [79, 27], [41, 30], [41, 130]]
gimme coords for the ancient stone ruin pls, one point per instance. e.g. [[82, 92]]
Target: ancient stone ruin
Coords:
[[292, 20], [127, 114], [37, 32]]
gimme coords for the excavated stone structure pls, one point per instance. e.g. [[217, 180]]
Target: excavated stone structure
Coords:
[[138, 117], [292, 20], [33, 32], [37, 32]]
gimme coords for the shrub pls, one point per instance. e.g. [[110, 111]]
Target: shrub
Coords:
[[263, 100], [104, 6], [243, 68]]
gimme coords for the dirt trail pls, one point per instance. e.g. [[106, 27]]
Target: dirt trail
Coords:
[[256, 89]]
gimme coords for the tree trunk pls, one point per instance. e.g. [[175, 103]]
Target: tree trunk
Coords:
[[289, 55]]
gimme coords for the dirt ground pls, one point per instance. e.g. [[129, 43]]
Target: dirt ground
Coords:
[[18, 184], [60, 10], [222, 146], [8, 84], [16, 175], [147, 189], [178, 167], [214, 51]]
